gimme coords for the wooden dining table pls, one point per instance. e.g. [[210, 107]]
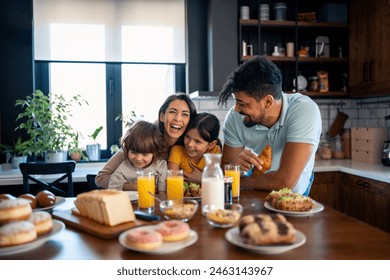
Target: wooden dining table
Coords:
[[330, 235]]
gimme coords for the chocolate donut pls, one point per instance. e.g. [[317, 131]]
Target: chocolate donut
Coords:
[[45, 198]]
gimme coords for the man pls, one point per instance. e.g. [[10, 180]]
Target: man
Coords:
[[263, 114]]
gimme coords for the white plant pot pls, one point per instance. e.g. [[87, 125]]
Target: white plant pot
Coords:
[[93, 152], [51, 157], [17, 160]]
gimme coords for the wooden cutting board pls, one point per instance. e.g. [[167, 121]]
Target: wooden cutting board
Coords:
[[71, 218]]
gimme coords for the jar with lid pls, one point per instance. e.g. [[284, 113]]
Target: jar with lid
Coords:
[[213, 185], [325, 150], [338, 148], [314, 83]]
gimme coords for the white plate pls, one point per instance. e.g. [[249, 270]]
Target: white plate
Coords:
[[318, 207], [166, 247], [57, 227], [59, 200], [233, 236], [133, 195]]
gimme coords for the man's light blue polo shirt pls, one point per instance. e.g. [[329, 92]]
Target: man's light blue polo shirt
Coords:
[[300, 121]]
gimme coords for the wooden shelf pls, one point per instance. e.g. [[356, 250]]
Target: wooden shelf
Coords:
[[301, 59], [286, 23]]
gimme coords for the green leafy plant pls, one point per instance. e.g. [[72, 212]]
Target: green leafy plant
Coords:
[[19, 149], [45, 119], [95, 134], [74, 148], [127, 119]]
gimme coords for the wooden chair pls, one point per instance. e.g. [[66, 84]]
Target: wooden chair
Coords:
[[91, 182], [41, 168]]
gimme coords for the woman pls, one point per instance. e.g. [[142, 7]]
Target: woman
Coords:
[[173, 118]]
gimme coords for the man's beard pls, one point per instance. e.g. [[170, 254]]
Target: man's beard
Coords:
[[249, 123]]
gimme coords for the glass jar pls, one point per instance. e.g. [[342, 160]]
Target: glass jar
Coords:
[[213, 185], [325, 150], [338, 151], [314, 83]]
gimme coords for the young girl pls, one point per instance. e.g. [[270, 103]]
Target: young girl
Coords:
[[144, 149], [200, 138]]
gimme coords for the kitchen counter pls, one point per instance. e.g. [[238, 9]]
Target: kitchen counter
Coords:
[[377, 172]]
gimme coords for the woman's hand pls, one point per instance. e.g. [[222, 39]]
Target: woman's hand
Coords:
[[195, 176]]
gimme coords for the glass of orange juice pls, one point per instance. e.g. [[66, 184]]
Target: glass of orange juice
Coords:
[[234, 171], [145, 184], [175, 181]]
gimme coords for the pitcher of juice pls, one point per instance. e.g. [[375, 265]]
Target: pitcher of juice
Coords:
[[175, 181], [145, 184]]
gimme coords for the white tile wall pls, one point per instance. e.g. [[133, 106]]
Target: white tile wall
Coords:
[[362, 112]]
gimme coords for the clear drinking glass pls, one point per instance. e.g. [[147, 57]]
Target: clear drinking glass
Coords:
[[145, 184], [232, 170], [175, 181]]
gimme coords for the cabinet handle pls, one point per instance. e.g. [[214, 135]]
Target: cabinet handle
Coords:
[[366, 72], [372, 70], [360, 183], [366, 185]]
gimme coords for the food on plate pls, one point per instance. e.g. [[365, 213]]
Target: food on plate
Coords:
[[16, 233], [266, 157], [174, 230], [108, 207], [266, 229], [192, 190], [42, 222], [225, 216], [45, 199], [145, 239], [14, 210], [6, 196], [30, 198], [285, 199]]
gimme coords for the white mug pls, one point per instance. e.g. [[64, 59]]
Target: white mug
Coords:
[[244, 12]]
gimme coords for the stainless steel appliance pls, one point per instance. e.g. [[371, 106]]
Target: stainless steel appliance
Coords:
[[386, 144]]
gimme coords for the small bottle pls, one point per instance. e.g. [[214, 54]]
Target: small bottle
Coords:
[[244, 48], [213, 185]]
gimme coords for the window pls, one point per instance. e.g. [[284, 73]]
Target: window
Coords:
[[120, 56]]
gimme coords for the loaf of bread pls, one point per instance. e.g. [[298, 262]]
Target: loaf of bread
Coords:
[[266, 157], [266, 229], [108, 207]]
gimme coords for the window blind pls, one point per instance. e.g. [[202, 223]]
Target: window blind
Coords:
[[110, 30]]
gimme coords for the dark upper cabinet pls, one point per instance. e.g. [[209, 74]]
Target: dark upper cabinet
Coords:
[[306, 24], [369, 48]]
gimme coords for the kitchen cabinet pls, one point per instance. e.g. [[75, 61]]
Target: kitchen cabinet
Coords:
[[260, 37], [366, 199], [369, 48], [325, 189]]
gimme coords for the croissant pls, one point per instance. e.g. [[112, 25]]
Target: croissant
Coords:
[[266, 157]]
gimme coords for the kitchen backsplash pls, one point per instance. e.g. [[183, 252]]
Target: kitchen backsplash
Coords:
[[361, 112]]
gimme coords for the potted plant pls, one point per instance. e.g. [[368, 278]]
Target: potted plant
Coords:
[[74, 151], [45, 119], [18, 152], [93, 150]]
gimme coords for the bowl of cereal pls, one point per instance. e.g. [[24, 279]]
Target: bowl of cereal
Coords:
[[222, 217], [179, 209]]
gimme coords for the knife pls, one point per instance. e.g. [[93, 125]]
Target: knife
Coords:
[[146, 216]]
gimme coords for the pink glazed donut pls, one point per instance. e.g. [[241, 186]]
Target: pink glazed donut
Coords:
[[145, 239], [173, 230]]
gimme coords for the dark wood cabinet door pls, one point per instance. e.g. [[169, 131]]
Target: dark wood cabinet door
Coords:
[[366, 199], [325, 189]]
